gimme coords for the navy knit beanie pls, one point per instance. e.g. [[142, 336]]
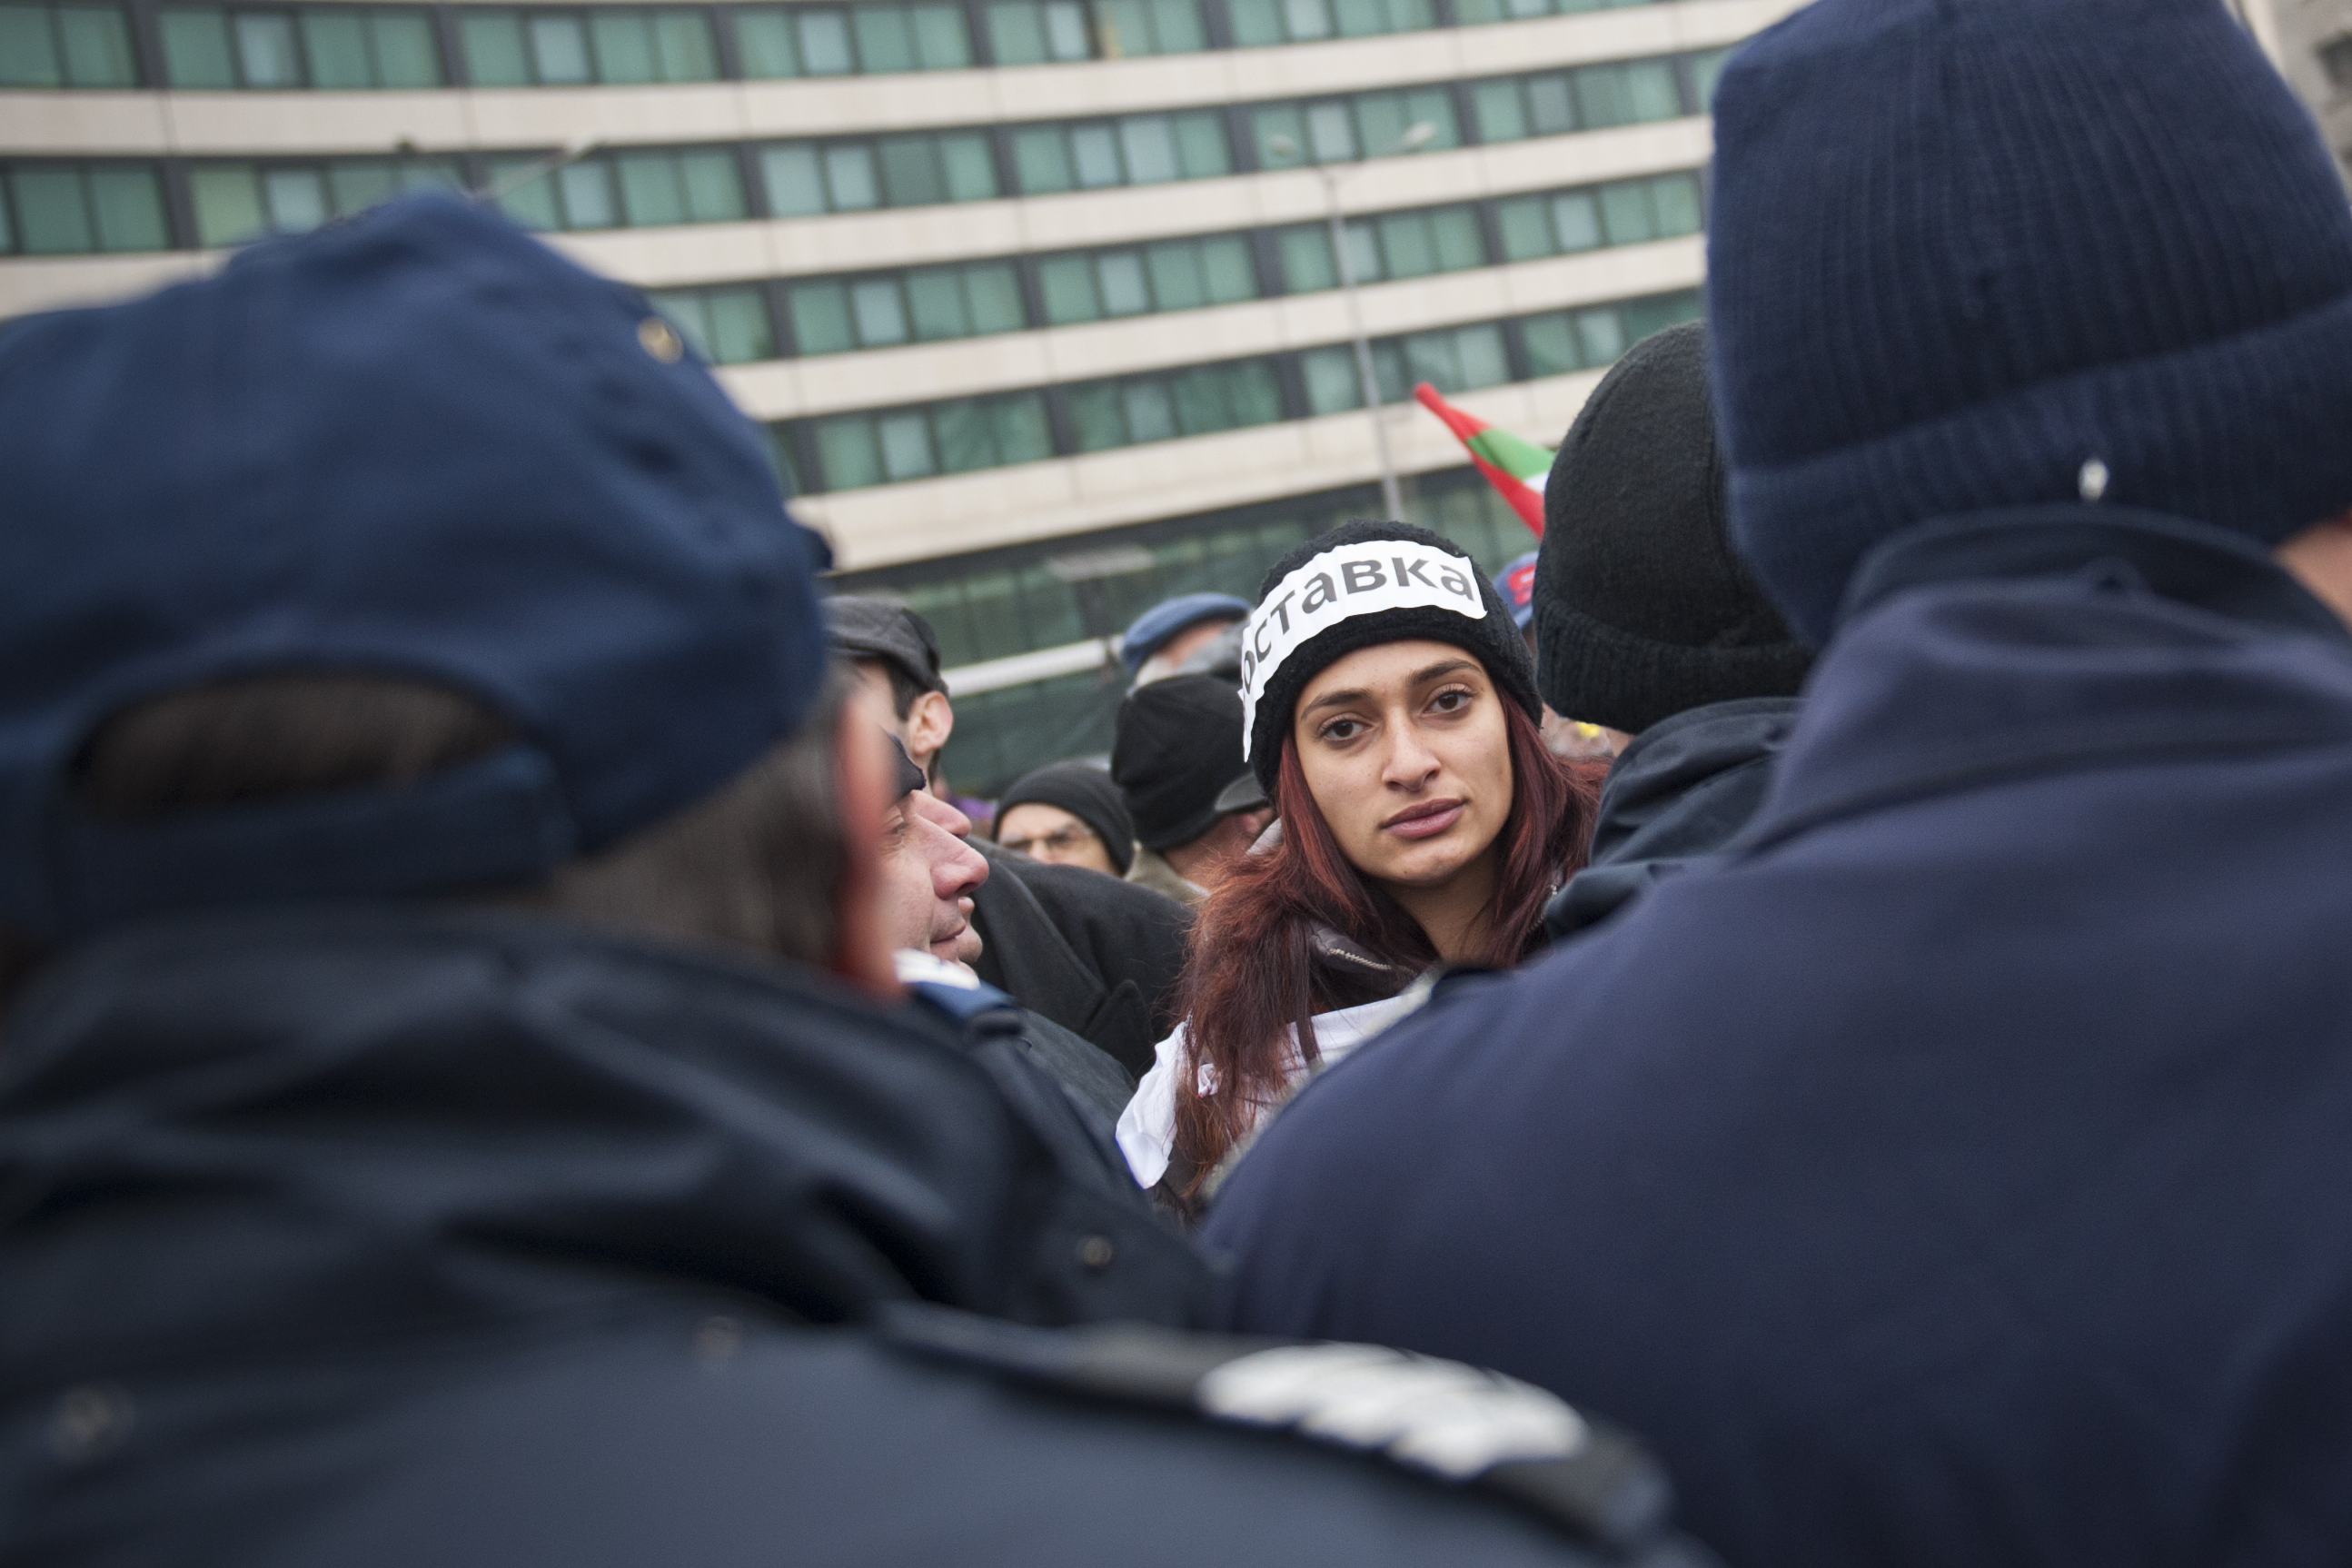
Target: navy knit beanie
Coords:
[[1969, 254]]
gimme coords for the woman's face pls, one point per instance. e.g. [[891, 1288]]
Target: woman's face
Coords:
[[1048, 833], [1405, 750]]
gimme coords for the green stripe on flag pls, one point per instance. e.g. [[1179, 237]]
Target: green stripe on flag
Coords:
[[1522, 459]]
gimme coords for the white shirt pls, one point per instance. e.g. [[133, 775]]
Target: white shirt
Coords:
[[1146, 1128]]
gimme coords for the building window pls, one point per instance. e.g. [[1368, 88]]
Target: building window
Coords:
[[809, 40], [65, 46], [806, 177], [1592, 98], [1258, 22], [1452, 359], [1038, 32], [340, 49], [1140, 150], [1565, 341], [726, 325], [951, 438], [1199, 401], [1397, 245], [1181, 275], [645, 189], [1471, 12], [1334, 129], [1626, 213], [235, 202], [67, 209], [610, 47], [882, 310]]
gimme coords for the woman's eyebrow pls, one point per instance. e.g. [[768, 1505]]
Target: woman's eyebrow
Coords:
[[1448, 667], [1336, 699]]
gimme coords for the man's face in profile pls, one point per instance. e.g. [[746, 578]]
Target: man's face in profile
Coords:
[[928, 875]]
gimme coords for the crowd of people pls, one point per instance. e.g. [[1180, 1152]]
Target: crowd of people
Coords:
[[1794, 1025]]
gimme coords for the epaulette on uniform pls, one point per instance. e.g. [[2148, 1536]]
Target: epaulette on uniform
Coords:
[[1441, 1420]]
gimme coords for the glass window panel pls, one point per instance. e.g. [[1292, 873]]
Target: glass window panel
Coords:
[[880, 314], [1551, 108], [624, 45], [1304, 20], [845, 449], [1255, 23], [1650, 90], [1226, 272], [128, 209], [1149, 143], [532, 205], [1307, 258], [849, 177], [1019, 425], [906, 443], [1151, 413], [1576, 221], [941, 42], [795, 184], [825, 44], [1122, 28], [1360, 18], [428, 175], [1202, 404], [1176, 280], [1430, 357], [1094, 156], [821, 319], [1626, 213], [1068, 282], [1478, 350], [228, 203], [405, 54], [739, 330], [1041, 160], [1458, 239], [1387, 373], [1333, 383], [994, 294], [935, 302], [1096, 423], [96, 44], [1502, 112], [910, 172], [495, 55], [265, 51], [1411, 15], [691, 316], [559, 50], [1551, 344], [1601, 97], [354, 187], [337, 44], [1643, 317], [969, 167], [965, 440], [1706, 70], [51, 211], [884, 41], [1253, 395], [1381, 120], [1599, 335], [1280, 134], [1470, 12], [1201, 150], [1407, 246], [1526, 225], [1016, 34], [1363, 254], [586, 190], [7, 232], [1330, 133], [1066, 33], [1119, 275], [29, 51], [1434, 105], [1177, 26], [296, 199], [650, 195], [714, 187], [764, 42], [1675, 197]]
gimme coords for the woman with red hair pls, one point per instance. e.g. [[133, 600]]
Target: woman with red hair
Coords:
[[1390, 710]]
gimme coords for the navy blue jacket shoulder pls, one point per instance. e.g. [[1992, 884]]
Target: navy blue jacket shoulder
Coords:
[[1952, 1175]]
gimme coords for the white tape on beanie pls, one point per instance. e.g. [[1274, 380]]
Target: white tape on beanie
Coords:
[[1342, 583]]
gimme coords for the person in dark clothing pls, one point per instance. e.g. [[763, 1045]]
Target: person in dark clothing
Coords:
[[426, 1138], [1649, 626], [1177, 752], [1067, 814], [1942, 1179]]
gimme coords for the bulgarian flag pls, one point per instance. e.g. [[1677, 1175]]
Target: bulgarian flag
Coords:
[[1515, 467]]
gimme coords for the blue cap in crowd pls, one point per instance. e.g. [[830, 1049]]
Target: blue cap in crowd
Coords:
[[419, 445], [1517, 583], [1154, 627], [1966, 255]]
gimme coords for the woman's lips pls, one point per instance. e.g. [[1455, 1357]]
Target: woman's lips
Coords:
[[1426, 820]]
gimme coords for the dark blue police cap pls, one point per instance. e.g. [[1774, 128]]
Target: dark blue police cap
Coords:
[[420, 445]]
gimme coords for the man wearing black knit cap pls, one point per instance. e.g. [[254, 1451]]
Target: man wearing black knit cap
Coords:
[[1177, 754], [1649, 626], [1944, 1178]]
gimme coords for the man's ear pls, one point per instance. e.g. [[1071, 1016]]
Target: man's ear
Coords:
[[863, 782], [930, 720], [2320, 558]]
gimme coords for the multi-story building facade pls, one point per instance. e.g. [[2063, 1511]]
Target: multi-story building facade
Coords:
[[1037, 298]]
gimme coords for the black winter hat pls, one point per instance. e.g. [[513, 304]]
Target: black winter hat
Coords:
[[1086, 792], [1642, 608], [1358, 585], [1179, 745]]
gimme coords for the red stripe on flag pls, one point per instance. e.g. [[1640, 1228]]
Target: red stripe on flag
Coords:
[[1466, 425]]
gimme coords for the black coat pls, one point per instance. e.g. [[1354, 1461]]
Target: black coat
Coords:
[[357, 1237]]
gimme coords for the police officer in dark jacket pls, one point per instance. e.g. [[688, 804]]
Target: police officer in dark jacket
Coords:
[[1951, 1176], [418, 771]]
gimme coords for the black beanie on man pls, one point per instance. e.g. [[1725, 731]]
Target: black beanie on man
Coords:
[[1643, 610], [1366, 611], [1086, 792], [1179, 745]]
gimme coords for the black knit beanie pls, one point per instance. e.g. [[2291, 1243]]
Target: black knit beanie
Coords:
[[1641, 610], [1178, 745], [1087, 793], [1360, 584]]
